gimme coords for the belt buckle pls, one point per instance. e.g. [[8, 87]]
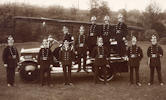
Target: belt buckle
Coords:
[[100, 56], [81, 45], [118, 31], [14, 56], [91, 34], [154, 55], [133, 55]]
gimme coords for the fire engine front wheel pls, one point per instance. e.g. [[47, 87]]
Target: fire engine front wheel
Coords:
[[109, 73], [29, 71]]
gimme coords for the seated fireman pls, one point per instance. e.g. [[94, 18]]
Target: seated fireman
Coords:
[[66, 56], [100, 53], [81, 49], [45, 61]]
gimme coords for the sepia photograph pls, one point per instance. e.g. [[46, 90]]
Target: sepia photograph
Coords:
[[82, 50]]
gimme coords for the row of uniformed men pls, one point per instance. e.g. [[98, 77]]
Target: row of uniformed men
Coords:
[[107, 31], [100, 53]]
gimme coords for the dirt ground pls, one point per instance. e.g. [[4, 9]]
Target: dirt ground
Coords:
[[84, 87]]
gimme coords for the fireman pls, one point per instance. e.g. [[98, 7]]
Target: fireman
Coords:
[[107, 31], [66, 56], [121, 31], [154, 53], [10, 59], [92, 36], [100, 53], [135, 55], [81, 48], [45, 63]]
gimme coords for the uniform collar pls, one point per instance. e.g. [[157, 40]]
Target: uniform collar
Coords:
[[100, 46], [134, 45], [45, 48], [154, 45], [10, 46]]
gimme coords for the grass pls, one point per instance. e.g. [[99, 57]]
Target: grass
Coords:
[[84, 87]]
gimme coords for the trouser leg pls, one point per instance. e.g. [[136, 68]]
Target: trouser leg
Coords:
[[151, 74], [137, 73], [69, 74], [12, 76], [65, 73], [79, 63], [7, 75], [96, 74], [42, 76], [131, 74], [84, 62], [158, 68], [48, 76]]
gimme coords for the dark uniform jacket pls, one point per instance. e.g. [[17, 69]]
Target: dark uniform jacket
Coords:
[[108, 31], [155, 52], [45, 55], [121, 31], [10, 56], [135, 55], [66, 56], [100, 54], [93, 33], [81, 44]]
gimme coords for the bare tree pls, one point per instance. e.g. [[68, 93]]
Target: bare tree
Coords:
[[104, 10], [94, 5], [99, 9], [151, 14]]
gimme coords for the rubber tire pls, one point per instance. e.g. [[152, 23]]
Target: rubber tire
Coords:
[[109, 75]]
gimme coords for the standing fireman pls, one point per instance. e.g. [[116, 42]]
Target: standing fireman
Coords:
[[45, 61], [154, 53], [92, 36], [10, 59], [121, 33], [100, 53], [81, 48], [107, 31], [135, 55], [66, 56]]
